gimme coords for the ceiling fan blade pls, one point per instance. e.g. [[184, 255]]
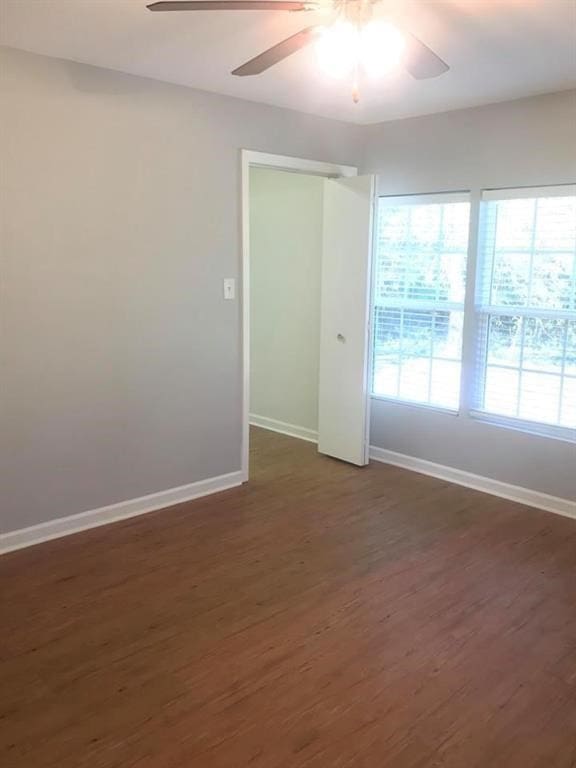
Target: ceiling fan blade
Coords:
[[229, 5], [420, 61], [277, 53]]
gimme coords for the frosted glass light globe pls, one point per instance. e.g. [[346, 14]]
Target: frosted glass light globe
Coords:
[[381, 48], [337, 49]]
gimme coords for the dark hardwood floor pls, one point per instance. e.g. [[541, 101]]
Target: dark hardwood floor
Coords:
[[323, 616]]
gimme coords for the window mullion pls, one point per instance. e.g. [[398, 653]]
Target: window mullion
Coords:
[[408, 237], [492, 262], [532, 251], [422, 305], [520, 366], [400, 347], [562, 370], [542, 314], [433, 330], [470, 368], [572, 300]]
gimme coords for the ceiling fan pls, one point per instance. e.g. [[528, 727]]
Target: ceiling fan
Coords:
[[352, 41]]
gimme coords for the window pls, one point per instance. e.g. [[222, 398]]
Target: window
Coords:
[[526, 304], [418, 298]]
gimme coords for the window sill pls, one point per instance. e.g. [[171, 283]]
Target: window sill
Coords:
[[528, 427], [412, 404]]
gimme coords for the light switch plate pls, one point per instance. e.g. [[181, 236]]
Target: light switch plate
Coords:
[[229, 288]]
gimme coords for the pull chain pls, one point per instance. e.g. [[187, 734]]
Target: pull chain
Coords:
[[355, 86]]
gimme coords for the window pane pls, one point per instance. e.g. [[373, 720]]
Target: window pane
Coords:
[[568, 416], [515, 222], [501, 391], [570, 361], [543, 344], [415, 379], [555, 225], [445, 390], [504, 340], [539, 397], [447, 341], [386, 362], [386, 375], [455, 226], [420, 273], [542, 350], [511, 279], [529, 262], [416, 333], [387, 332], [421, 252], [393, 227], [451, 276], [426, 225], [530, 252], [551, 286]]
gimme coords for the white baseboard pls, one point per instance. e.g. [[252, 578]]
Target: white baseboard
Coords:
[[285, 429], [63, 526], [526, 496]]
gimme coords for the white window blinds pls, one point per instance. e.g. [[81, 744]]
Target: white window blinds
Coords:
[[526, 305], [419, 286]]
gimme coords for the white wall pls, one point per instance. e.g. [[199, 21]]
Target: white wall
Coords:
[[285, 263], [120, 360], [520, 143]]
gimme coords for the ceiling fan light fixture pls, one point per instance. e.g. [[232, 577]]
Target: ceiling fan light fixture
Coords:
[[337, 48], [381, 48], [344, 47], [354, 43]]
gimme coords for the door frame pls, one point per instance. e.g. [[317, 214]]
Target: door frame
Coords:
[[252, 159]]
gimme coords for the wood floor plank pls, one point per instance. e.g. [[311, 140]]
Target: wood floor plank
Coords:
[[323, 616]]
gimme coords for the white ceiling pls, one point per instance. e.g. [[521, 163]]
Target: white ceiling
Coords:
[[497, 50]]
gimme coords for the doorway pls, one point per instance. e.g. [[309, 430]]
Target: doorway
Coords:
[[285, 273], [291, 284]]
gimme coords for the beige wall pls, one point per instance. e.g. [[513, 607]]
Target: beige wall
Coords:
[[285, 262], [120, 360]]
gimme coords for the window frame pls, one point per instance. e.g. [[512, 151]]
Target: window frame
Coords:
[[412, 199], [483, 311]]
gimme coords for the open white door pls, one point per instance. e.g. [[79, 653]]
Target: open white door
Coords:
[[345, 306]]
